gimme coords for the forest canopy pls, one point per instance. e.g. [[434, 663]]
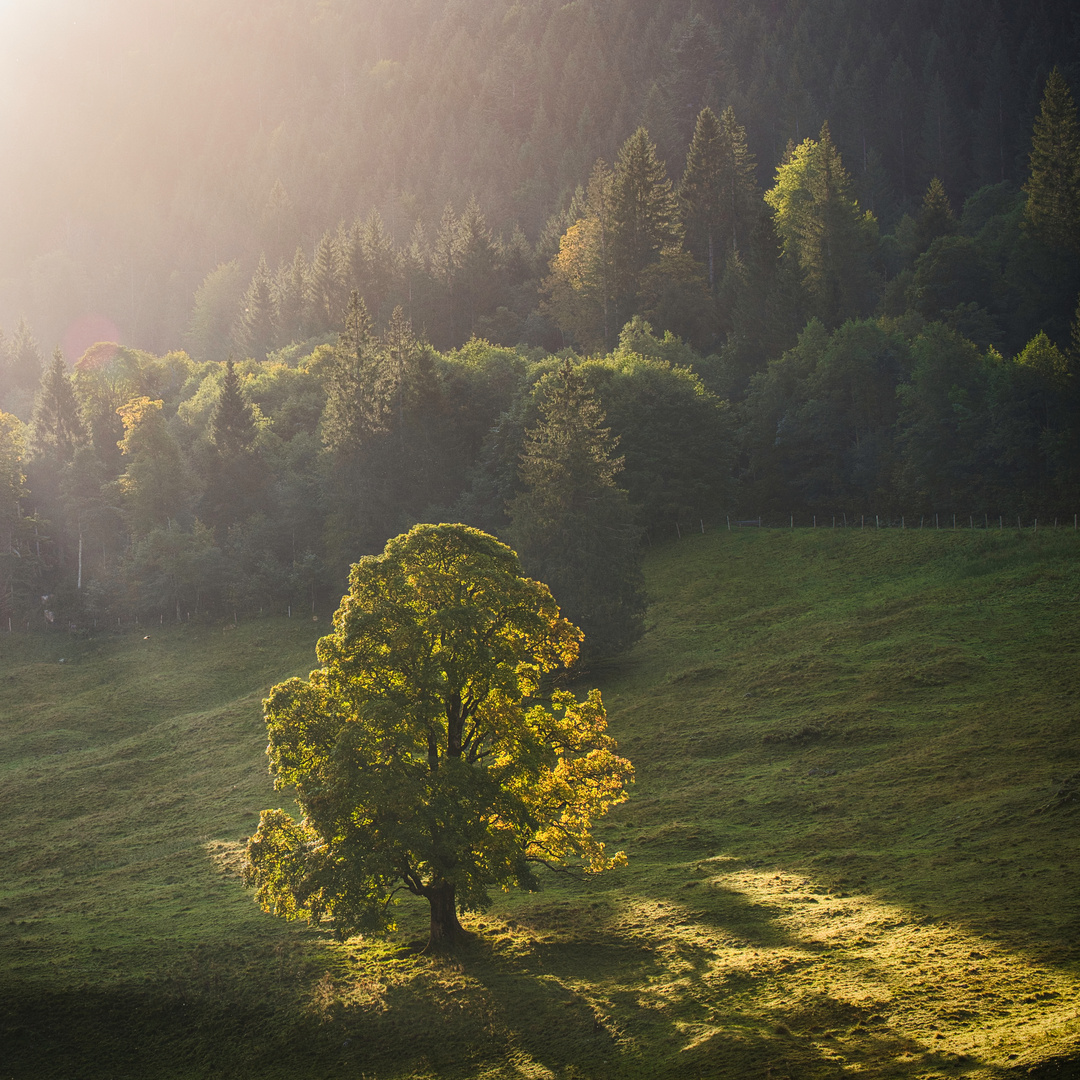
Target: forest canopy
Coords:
[[784, 258]]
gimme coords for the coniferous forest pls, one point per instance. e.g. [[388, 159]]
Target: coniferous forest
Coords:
[[282, 280]]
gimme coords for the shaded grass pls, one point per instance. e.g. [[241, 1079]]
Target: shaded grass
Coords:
[[847, 846]]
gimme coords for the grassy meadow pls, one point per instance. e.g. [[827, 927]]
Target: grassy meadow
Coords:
[[853, 844]]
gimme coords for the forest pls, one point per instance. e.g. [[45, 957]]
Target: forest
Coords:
[[582, 275]]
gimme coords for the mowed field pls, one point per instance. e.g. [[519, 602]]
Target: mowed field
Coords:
[[853, 844]]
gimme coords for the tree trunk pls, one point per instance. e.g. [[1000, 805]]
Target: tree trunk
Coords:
[[445, 929]]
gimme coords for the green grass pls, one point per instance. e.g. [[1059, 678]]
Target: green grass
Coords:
[[847, 850]]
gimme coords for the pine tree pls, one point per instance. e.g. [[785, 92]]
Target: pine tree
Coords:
[[717, 191], [233, 474], [446, 266], [357, 387], [572, 523], [21, 373], [379, 264], [1053, 188]]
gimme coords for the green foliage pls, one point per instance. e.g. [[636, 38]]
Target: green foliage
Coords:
[[718, 191], [419, 752], [823, 229], [217, 300], [571, 522], [1053, 186], [645, 219]]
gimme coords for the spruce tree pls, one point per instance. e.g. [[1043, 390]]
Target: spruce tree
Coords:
[[644, 217], [935, 218], [232, 428], [477, 256], [255, 332], [1053, 188], [57, 430], [571, 523], [717, 191], [233, 473], [328, 284]]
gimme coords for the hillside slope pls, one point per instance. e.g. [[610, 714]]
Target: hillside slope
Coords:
[[852, 844]]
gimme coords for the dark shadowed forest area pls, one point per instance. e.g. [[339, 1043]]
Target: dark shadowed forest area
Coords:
[[280, 280]]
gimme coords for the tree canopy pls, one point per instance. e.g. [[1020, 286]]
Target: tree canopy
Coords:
[[422, 751]]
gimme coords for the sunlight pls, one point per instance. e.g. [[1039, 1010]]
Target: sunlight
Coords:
[[853, 969]]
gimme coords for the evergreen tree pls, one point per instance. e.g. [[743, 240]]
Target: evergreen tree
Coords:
[[477, 256], [1053, 188], [644, 217], [572, 523], [445, 266], [717, 190], [21, 374], [232, 428], [233, 473], [293, 300], [328, 284], [935, 216], [57, 430], [377, 271], [255, 333], [357, 389], [19, 564], [823, 230], [358, 401]]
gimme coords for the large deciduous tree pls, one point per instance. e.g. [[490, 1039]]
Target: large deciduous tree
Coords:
[[421, 752]]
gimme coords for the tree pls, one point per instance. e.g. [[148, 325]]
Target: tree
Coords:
[[717, 189], [232, 472], [935, 216], [359, 388], [644, 217], [581, 283], [572, 523], [56, 434], [216, 302], [422, 756], [822, 228], [293, 300], [255, 333], [20, 372], [156, 486], [19, 561], [57, 430], [1053, 188]]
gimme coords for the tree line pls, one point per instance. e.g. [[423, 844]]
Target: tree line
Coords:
[[929, 369]]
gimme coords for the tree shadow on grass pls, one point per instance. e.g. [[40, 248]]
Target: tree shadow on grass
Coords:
[[600, 991]]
